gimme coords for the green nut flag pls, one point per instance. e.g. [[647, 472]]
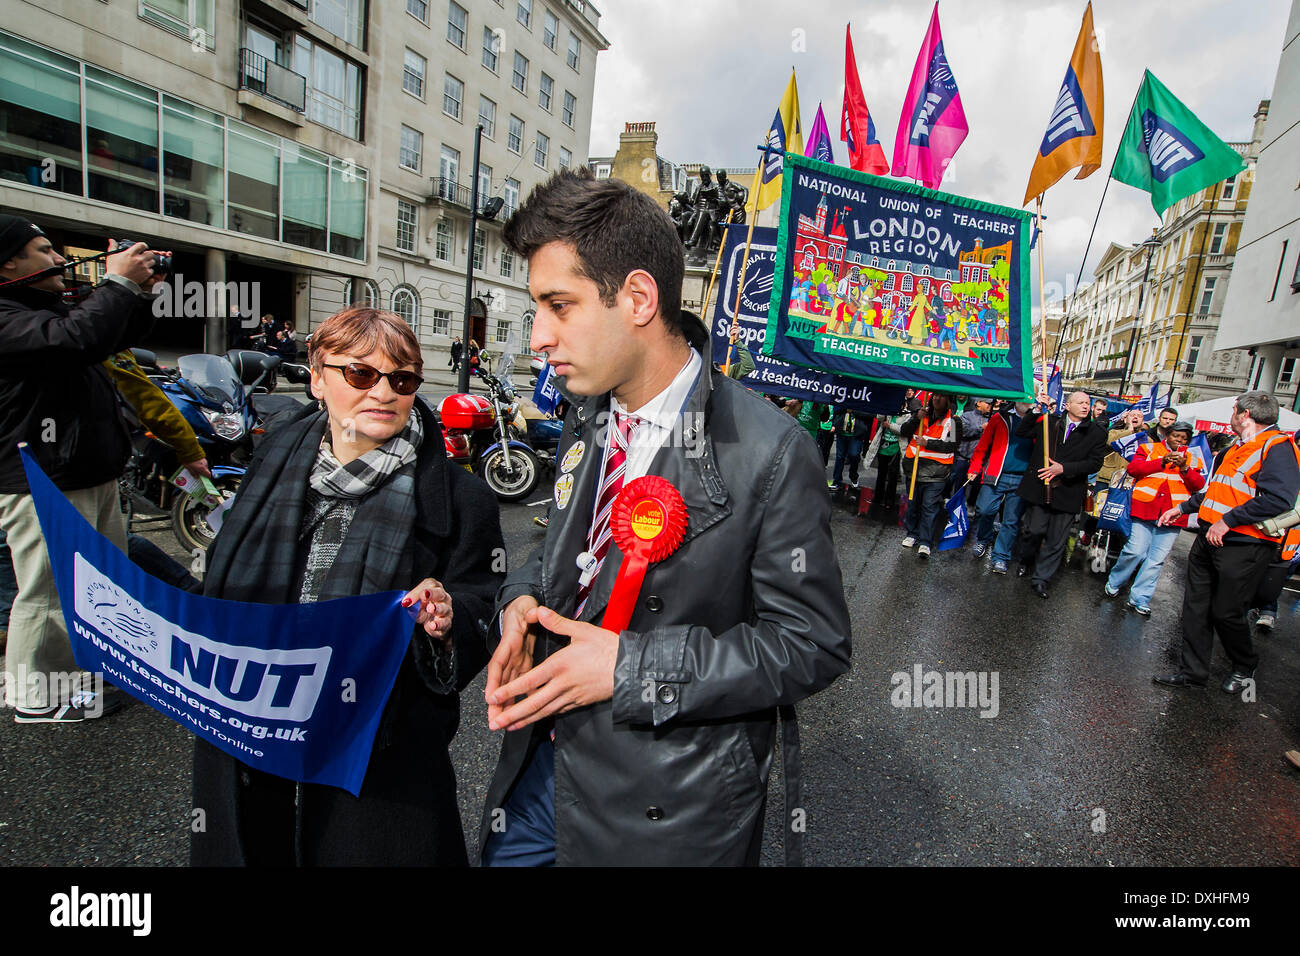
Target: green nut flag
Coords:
[[1167, 151]]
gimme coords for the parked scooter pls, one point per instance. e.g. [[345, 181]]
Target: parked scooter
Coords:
[[216, 401]]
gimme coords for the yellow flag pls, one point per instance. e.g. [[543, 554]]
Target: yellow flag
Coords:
[[785, 134], [1073, 136]]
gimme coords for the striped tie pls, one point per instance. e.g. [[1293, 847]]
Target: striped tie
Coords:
[[611, 483]]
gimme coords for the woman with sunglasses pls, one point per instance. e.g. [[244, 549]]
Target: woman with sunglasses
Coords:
[[356, 497]]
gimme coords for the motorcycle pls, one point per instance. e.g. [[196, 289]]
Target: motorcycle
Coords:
[[479, 434], [216, 401]]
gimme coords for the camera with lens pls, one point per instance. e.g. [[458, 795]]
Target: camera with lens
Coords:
[[162, 261]]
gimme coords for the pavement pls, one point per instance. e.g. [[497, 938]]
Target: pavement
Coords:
[[1086, 763]]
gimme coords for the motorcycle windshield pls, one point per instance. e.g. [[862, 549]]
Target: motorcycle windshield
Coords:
[[214, 377]]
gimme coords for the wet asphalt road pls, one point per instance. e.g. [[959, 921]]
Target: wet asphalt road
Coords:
[[1086, 762]]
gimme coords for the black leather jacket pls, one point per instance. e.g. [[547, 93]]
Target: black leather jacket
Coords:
[[746, 615]]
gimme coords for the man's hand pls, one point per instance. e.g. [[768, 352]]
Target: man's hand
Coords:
[[1168, 517], [135, 263], [575, 676], [514, 655], [434, 605], [199, 467], [1216, 533], [734, 332], [1054, 470]]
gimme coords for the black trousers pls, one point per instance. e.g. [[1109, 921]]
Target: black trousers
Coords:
[[1220, 585], [886, 497], [1043, 533]]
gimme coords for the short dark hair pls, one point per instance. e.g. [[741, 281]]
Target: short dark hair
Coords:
[[614, 230]]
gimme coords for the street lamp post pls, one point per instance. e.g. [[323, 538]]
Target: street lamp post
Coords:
[[462, 383]]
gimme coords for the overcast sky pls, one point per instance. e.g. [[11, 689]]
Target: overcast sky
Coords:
[[711, 72]]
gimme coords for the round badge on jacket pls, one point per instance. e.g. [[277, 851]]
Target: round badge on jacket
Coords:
[[573, 456], [563, 491]]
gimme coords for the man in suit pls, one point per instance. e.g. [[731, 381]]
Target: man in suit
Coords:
[[650, 743], [1076, 449]]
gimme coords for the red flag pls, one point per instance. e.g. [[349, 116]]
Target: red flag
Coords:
[[856, 128]]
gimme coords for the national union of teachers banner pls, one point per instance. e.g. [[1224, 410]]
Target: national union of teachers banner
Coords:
[[899, 284]]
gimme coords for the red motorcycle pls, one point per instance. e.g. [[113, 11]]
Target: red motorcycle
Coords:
[[478, 434]]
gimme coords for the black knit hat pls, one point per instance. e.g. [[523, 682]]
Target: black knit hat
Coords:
[[15, 233]]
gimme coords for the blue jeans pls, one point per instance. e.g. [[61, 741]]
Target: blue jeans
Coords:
[[1147, 546], [992, 497], [850, 450]]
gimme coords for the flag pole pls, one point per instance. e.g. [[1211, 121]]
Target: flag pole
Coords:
[[1042, 335], [1200, 262], [1069, 312], [744, 260], [717, 262], [916, 459]]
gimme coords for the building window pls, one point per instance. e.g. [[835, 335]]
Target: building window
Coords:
[[365, 294], [907, 282], [1286, 377], [1194, 353], [480, 251], [524, 13], [491, 47], [413, 74], [507, 263], [193, 19], [1207, 295], [122, 141], [343, 18], [441, 324], [602, 170], [442, 241], [519, 80], [550, 29], [406, 223], [449, 170], [543, 149], [515, 138], [1217, 239], [511, 196], [569, 108], [487, 116], [40, 113], [418, 9], [457, 24], [575, 51], [407, 305], [484, 183], [408, 153], [1281, 261], [502, 331], [545, 87], [1229, 187], [333, 86], [566, 158], [453, 91]]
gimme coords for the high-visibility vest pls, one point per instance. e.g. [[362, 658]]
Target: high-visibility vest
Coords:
[[1234, 482], [1291, 543], [1148, 488], [939, 431]]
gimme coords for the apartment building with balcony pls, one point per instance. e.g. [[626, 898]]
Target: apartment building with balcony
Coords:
[[311, 147]]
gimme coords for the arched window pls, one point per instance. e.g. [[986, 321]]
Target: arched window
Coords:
[[891, 266], [946, 292], [528, 328], [366, 293], [925, 286], [406, 303], [907, 282], [889, 280]]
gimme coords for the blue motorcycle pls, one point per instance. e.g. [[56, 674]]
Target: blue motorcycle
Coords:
[[215, 395]]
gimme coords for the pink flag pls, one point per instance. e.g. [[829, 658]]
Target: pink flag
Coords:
[[819, 139], [932, 124]]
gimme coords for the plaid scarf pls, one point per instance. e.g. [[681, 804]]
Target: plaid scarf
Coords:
[[363, 475]]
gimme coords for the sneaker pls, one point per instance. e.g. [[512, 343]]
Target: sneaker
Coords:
[[541, 521], [999, 567], [1140, 608], [1266, 621], [909, 541], [1110, 591], [981, 549], [82, 706], [923, 551]]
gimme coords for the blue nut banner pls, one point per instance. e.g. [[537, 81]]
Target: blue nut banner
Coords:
[[771, 376], [899, 284], [296, 690]]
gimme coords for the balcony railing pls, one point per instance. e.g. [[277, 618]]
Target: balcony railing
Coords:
[[442, 189], [272, 80]]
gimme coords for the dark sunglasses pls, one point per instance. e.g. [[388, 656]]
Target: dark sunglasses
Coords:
[[364, 377]]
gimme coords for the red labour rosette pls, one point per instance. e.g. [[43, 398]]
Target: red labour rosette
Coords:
[[648, 522]]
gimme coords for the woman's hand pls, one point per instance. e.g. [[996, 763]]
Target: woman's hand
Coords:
[[434, 605]]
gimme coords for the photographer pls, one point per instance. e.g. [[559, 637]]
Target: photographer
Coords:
[[57, 397]]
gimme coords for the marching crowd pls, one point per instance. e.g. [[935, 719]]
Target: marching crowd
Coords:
[[1040, 484]]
